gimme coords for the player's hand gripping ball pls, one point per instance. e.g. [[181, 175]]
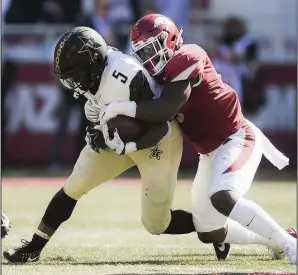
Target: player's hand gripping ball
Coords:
[[5, 225], [128, 128], [121, 132]]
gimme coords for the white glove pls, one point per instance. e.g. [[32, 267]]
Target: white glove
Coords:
[[91, 112], [127, 108], [116, 144]]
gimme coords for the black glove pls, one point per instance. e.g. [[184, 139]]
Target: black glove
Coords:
[[5, 225], [95, 139]]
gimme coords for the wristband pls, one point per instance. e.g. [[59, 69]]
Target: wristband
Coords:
[[130, 147], [129, 108]]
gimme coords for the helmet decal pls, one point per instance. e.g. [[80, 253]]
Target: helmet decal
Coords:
[[87, 44], [61, 45], [162, 21]]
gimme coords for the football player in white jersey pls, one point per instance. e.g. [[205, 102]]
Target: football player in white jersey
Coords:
[[85, 65]]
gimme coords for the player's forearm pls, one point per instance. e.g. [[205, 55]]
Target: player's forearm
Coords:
[[157, 110], [154, 135], [174, 95]]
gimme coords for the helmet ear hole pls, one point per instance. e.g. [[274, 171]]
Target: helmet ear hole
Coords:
[[173, 38]]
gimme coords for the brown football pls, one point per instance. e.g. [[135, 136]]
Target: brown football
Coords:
[[128, 128]]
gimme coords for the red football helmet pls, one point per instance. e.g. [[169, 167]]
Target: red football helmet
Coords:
[[154, 39]]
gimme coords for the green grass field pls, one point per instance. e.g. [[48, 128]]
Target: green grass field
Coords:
[[105, 235]]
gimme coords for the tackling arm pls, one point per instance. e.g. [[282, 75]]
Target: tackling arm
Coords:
[[184, 71], [174, 95], [155, 133]]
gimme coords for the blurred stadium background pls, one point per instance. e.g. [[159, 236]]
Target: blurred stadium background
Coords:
[[252, 44]]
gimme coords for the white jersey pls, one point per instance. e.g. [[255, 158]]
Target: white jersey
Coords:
[[119, 77]]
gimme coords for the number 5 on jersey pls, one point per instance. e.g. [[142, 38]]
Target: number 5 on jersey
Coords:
[[117, 74]]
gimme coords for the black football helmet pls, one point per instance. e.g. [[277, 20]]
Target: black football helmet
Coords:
[[79, 59]]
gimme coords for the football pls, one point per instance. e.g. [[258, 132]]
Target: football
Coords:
[[128, 128]]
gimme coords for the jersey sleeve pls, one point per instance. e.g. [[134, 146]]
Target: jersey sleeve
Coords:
[[144, 87], [140, 88], [187, 63]]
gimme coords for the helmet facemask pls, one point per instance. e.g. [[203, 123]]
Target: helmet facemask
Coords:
[[153, 53], [82, 81]]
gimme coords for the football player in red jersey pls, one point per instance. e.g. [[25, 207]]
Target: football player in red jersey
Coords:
[[209, 111]]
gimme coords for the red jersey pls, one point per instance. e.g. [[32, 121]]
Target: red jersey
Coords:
[[212, 112]]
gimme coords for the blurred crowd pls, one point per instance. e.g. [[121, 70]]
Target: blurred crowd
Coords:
[[234, 52], [112, 18]]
